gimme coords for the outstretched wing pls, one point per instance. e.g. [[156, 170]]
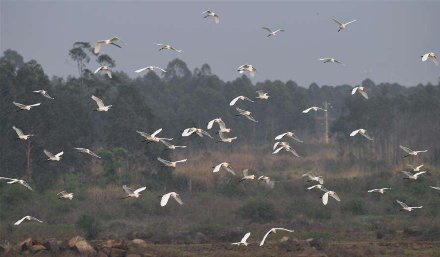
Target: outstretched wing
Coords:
[[251, 118], [163, 161], [139, 190], [127, 190], [338, 22], [268, 29], [18, 131], [406, 149], [141, 70], [97, 47], [367, 136], [245, 237], [98, 101], [265, 236], [280, 136], [18, 222], [230, 170], [325, 198], [156, 132], [165, 199], [217, 168], [177, 198], [205, 133], [402, 204], [49, 154], [349, 22], [407, 173], [234, 101]]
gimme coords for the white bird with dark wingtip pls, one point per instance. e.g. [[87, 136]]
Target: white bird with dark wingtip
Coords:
[[153, 137], [274, 230], [30, 218], [43, 93], [329, 60], [243, 240], [101, 105], [87, 151], [289, 134], [247, 68], [20, 134], [110, 41], [314, 108], [132, 193], [224, 165], [65, 195], [379, 190], [104, 69], [262, 95], [312, 177], [246, 114], [242, 98], [52, 157], [225, 139], [272, 32], [362, 132], [246, 176], [150, 68], [169, 163], [430, 56], [24, 107], [220, 123], [200, 132], [166, 197], [332, 194], [342, 25], [406, 207], [171, 146], [411, 176], [209, 13], [361, 90], [19, 181], [286, 146], [411, 152], [167, 47]]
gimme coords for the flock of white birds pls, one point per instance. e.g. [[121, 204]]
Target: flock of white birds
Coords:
[[223, 132]]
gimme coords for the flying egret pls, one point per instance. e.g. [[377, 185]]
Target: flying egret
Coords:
[[267, 181], [104, 69], [30, 218], [430, 56], [286, 146], [272, 32], [132, 193], [313, 177], [406, 207], [436, 188], [247, 68], [20, 134], [171, 146], [24, 107], [314, 108], [342, 25], [318, 186], [332, 194], [379, 190], [150, 68], [19, 181], [209, 13], [153, 137], [274, 230], [411, 152], [167, 47], [87, 151], [262, 95], [246, 114], [43, 93], [200, 132], [167, 196], [242, 98], [101, 105], [52, 157], [361, 90], [246, 176], [220, 123], [415, 176], [225, 139], [110, 41], [289, 134], [224, 165], [362, 132], [243, 240], [416, 168], [329, 60], [169, 163], [65, 195]]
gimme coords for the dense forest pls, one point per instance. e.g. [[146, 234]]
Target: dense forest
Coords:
[[394, 115]]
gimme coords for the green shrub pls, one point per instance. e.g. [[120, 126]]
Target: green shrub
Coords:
[[89, 225], [260, 211], [356, 207]]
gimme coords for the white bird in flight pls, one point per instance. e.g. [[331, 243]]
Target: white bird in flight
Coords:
[[150, 68], [262, 95], [167, 196], [289, 134], [171, 146], [314, 108], [209, 13], [224, 165], [361, 90], [87, 151], [342, 25], [379, 190], [246, 114], [362, 132], [242, 98], [243, 241], [132, 193], [267, 181], [286, 146], [19, 181], [24, 107], [167, 47], [246, 176], [43, 93], [247, 68], [274, 230], [411, 152], [318, 186], [52, 157], [30, 218], [20, 134], [220, 123], [104, 69], [65, 195], [101, 105], [110, 41], [332, 194], [411, 176], [436, 188], [430, 56], [153, 137], [169, 163], [329, 60], [200, 132], [272, 32], [313, 177], [406, 207], [225, 139], [417, 168]]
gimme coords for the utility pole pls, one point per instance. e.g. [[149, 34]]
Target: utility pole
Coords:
[[326, 105]]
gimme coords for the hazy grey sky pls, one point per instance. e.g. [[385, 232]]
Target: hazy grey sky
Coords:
[[385, 44]]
